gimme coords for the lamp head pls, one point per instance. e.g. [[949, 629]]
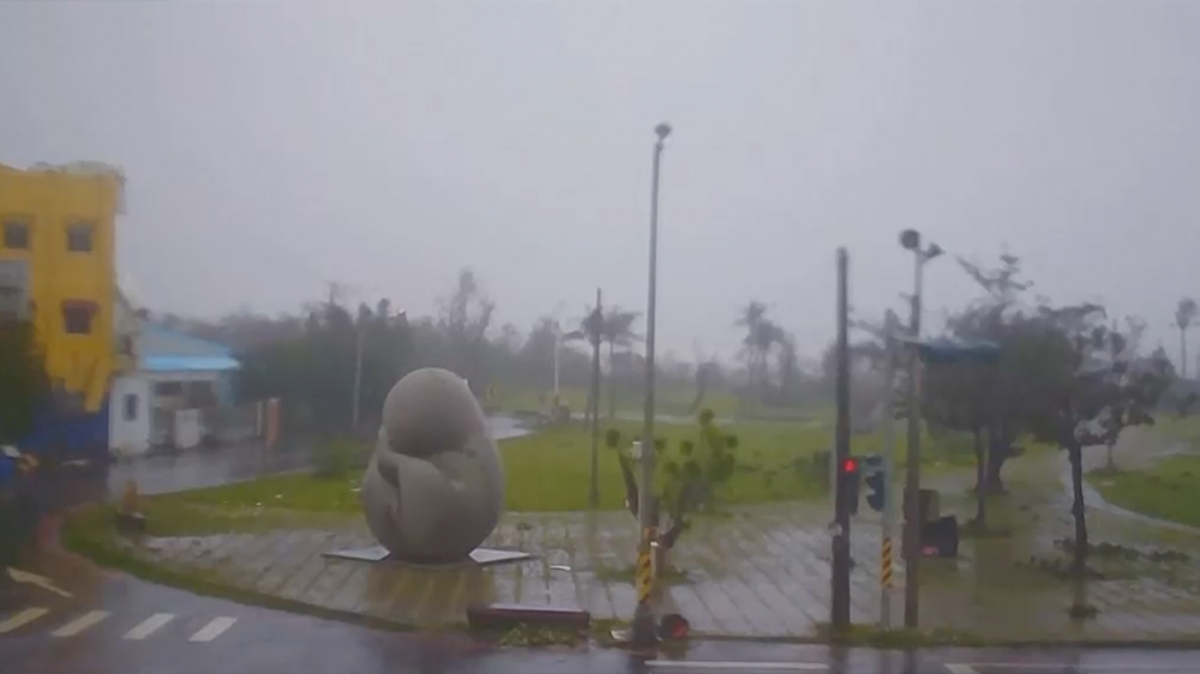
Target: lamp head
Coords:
[[910, 239], [663, 130]]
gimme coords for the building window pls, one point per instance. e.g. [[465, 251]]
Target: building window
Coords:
[[77, 317], [131, 406], [79, 237], [11, 302], [168, 388], [16, 233]]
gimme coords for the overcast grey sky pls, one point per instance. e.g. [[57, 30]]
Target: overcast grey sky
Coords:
[[269, 145]]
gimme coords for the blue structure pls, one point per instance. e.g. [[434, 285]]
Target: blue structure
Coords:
[[164, 352], [945, 350]]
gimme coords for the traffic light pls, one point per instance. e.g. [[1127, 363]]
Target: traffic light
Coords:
[[876, 480], [849, 477]]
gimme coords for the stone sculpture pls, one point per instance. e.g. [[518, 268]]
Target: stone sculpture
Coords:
[[434, 488]]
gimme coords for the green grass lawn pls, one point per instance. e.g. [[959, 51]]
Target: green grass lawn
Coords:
[[1167, 491], [549, 470], [1183, 428]]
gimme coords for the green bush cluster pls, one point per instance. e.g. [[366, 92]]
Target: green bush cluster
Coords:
[[338, 458]]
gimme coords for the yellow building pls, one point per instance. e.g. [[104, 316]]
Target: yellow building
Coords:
[[57, 265]]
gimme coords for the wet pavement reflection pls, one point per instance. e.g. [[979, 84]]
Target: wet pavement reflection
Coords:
[[114, 624]]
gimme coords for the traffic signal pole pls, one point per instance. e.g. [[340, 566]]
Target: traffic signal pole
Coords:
[[840, 559], [889, 504], [912, 490]]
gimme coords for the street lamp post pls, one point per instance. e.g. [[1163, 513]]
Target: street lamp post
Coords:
[[910, 239], [643, 624]]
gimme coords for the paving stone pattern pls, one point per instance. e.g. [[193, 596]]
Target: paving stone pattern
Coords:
[[763, 571]]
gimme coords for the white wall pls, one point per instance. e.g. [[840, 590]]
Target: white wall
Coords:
[[129, 433], [188, 429]]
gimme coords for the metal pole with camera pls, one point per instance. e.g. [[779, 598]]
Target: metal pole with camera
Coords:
[[910, 239], [644, 625]]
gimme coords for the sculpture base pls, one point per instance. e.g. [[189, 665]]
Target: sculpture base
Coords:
[[378, 553]]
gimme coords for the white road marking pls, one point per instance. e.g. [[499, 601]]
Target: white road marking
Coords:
[[23, 618], [213, 629], [43, 582], [149, 626], [694, 665], [80, 624], [973, 668]]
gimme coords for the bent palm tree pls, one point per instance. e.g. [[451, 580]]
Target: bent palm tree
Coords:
[[591, 329], [617, 329], [1185, 313]]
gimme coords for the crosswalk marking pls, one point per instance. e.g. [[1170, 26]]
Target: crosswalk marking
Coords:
[[23, 618], [697, 665], [143, 630], [960, 669], [80, 624], [213, 629], [149, 626]]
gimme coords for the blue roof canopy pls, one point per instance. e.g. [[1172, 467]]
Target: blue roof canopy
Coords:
[[949, 350], [188, 363]]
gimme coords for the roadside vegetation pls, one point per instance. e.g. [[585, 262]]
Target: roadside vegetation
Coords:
[[1168, 490], [549, 470]]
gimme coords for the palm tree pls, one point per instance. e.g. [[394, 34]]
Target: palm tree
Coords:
[[1185, 313], [617, 330], [753, 317], [591, 328]]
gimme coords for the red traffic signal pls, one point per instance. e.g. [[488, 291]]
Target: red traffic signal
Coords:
[[848, 480]]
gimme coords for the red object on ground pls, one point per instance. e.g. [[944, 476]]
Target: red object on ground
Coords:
[[674, 627]]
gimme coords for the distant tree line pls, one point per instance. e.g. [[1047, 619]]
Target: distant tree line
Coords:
[[308, 357]]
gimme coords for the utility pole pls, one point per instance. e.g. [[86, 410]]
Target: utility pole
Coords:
[[644, 627], [557, 350], [840, 559], [597, 329], [358, 357]]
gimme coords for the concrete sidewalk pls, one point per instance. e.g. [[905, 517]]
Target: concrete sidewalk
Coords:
[[763, 572]]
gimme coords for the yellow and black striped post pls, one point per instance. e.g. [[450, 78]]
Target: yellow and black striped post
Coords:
[[644, 622], [885, 565], [644, 574]]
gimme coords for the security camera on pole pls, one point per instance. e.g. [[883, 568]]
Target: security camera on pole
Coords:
[[644, 627], [910, 239]]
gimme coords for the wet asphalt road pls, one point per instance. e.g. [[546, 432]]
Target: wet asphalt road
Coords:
[[116, 624]]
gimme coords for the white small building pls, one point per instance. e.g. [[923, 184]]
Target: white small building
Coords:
[[179, 386]]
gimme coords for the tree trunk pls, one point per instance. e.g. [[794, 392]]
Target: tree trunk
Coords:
[[1079, 560], [612, 382], [981, 478], [1111, 465], [594, 389], [1183, 353], [701, 382], [999, 451]]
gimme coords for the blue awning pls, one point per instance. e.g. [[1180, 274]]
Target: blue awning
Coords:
[[188, 363], [950, 350]]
